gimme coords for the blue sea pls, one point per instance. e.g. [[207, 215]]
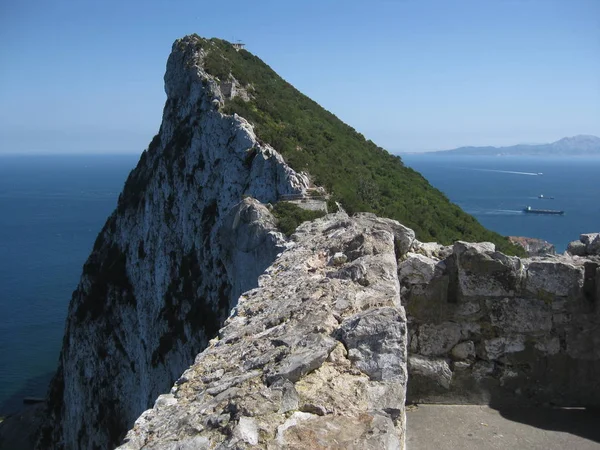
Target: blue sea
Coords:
[[51, 210], [496, 189]]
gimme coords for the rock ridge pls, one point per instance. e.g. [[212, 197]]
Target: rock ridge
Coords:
[[314, 357]]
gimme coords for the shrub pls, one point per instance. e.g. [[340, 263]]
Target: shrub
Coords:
[[290, 215]]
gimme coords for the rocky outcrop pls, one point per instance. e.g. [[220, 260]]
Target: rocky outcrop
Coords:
[[587, 245], [488, 328], [315, 357], [170, 262], [534, 246]]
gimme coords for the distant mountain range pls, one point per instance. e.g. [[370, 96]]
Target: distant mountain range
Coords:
[[582, 145]]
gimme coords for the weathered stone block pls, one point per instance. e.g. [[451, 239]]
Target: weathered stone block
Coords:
[[463, 350], [520, 315], [437, 340], [417, 269], [431, 249], [483, 272], [376, 343], [576, 248], [498, 347], [549, 278], [432, 370]]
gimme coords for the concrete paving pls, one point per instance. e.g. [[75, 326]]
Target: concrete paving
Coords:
[[475, 427]]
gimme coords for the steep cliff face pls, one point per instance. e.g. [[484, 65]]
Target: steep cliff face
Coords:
[[169, 263]]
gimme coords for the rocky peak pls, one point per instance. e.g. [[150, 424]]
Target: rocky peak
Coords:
[[170, 262]]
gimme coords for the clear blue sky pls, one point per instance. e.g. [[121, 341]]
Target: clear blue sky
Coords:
[[412, 75]]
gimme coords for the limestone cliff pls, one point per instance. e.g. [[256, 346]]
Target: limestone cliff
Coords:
[[170, 262]]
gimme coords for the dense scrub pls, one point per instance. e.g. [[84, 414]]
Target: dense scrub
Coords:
[[359, 174], [289, 216]]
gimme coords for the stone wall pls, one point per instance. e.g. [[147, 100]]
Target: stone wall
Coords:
[[489, 328]]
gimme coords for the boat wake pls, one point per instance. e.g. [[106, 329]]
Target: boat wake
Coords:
[[496, 212], [506, 171]]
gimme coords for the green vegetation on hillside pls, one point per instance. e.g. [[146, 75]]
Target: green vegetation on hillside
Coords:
[[289, 216], [359, 174]]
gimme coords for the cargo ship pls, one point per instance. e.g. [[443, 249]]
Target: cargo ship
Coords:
[[530, 210]]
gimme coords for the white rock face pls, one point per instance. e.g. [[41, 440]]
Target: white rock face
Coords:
[[169, 263], [417, 269]]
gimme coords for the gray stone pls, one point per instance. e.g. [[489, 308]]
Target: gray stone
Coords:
[[483, 272], [520, 315], [591, 242], [432, 249], [461, 247], [417, 269], [549, 345], [247, 430], [464, 350], [310, 353], [437, 340], [338, 259], [500, 346], [576, 248], [482, 369], [549, 278], [589, 238], [376, 343], [403, 236], [289, 398], [434, 369]]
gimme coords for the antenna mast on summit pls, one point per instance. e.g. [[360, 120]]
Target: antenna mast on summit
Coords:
[[238, 45]]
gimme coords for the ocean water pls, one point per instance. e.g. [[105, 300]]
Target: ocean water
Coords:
[[496, 189], [51, 210]]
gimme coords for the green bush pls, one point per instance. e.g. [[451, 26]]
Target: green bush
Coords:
[[290, 215]]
